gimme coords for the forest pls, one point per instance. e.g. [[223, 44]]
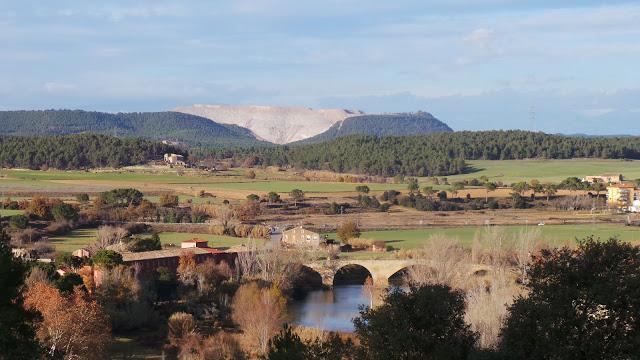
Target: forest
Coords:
[[434, 154], [78, 151], [183, 128]]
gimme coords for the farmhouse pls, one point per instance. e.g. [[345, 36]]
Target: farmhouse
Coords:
[[301, 237], [604, 178], [623, 196], [174, 159]]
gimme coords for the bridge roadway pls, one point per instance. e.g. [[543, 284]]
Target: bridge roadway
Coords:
[[380, 270]]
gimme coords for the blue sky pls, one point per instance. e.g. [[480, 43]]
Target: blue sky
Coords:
[[555, 66]]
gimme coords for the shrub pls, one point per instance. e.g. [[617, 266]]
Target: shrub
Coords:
[[62, 211], [348, 230], [169, 200], [107, 258], [18, 222]]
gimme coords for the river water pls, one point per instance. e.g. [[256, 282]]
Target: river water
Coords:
[[330, 310]]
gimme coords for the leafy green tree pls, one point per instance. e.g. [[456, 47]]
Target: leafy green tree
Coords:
[[69, 260], [489, 187], [82, 198], [582, 304], [273, 197], [18, 221], [17, 332], [412, 185], [598, 187], [549, 190], [536, 187], [107, 258], [520, 187], [67, 282], [297, 195], [518, 201], [138, 244], [456, 187], [287, 345], [62, 211], [362, 189], [427, 322], [253, 197]]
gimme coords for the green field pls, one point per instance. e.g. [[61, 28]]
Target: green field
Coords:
[[5, 212], [506, 171], [555, 234], [510, 171], [81, 237]]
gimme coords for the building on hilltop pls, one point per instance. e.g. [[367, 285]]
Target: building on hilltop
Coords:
[[604, 178], [623, 196]]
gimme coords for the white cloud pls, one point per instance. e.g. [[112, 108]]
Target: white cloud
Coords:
[[57, 87], [481, 37]]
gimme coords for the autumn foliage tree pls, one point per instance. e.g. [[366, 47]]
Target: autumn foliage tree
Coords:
[[259, 312], [73, 326]]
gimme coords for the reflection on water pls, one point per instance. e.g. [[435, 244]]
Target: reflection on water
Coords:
[[330, 309]]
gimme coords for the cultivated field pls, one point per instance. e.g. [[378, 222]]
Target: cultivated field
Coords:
[[554, 234], [510, 171], [232, 184], [82, 237]]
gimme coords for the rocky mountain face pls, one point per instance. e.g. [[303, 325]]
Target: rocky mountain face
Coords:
[[278, 125]]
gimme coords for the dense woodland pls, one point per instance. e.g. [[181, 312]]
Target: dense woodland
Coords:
[[78, 151], [189, 129], [437, 154], [430, 155], [402, 124]]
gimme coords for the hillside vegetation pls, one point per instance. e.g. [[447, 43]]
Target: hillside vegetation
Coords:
[[383, 125], [78, 151], [174, 126], [433, 154]]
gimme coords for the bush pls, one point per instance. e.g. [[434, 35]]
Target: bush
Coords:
[[169, 200], [358, 243], [348, 230], [82, 198], [107, 258], [62, 211], [18, 222]]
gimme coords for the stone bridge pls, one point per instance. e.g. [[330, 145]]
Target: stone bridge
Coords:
[[380, 270]]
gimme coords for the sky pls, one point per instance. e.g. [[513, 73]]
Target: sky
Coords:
[[553, 66]]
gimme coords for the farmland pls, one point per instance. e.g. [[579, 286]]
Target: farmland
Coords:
[[554, 234], [82, 237]]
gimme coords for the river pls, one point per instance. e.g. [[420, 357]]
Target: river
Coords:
[[330, 310]]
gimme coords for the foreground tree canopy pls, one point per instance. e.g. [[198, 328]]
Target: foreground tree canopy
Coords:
[[582, 304]]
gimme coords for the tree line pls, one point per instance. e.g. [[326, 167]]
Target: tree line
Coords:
[[78, 151], [429, 155]]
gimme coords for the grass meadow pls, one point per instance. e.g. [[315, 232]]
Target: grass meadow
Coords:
[[506, 171], [85, 236]]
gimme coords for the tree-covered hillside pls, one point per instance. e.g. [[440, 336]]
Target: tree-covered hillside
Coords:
[[383, 125], [433, 154], [78, 151], [174, 126]]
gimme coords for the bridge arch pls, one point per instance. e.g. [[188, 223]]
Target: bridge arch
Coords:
[[351, 274], [307, 280]]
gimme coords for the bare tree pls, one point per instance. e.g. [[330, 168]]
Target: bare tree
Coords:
[[109, 235], [525, 243], [442, 261], [259, 312]]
